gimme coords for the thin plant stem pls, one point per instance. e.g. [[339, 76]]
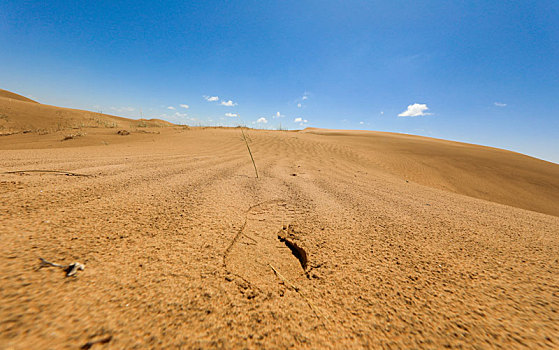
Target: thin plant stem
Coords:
[[249, 152]]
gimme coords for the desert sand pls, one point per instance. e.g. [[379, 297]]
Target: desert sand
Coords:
[[347, 239]]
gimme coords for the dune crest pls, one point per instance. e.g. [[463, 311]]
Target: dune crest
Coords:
[[477, 171], [14, 96], [19, 114]]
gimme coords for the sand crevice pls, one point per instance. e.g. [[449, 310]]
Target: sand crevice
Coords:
[[255, 245], [288, 236]]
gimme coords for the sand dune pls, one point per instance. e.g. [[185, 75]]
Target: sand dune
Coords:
[[347, 239], [14, 96], [19, 114], [482, 172]]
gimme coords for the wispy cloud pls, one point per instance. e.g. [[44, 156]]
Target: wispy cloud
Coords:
[[182, 115], [171, 108], [278, 115], [232, 115], [302, 99], [262, 120], [185, 106], [415, 110], [500, 104], [211, 98], [228, 103], [298, 120], [123, 109]]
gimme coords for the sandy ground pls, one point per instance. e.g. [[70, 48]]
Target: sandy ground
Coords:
[[377, 241]]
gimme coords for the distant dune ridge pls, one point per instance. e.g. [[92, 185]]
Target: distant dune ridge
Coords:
[[14, 96], [482, 172], [347, 239], [20, 114]]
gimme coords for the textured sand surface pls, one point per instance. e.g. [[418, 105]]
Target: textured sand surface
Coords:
[[378, 240]]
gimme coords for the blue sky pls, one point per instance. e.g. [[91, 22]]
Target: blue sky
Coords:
[[484, 72]]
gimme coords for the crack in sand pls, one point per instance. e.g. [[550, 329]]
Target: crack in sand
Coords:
[[288, 236], [250, 261], [238, 236], [240, 232]]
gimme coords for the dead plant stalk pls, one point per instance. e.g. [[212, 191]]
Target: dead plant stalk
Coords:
[[249, 152]]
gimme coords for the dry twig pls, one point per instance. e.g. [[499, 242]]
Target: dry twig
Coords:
[[284, 280], [70, 270], [298, 291], [249, 152], [61, 172], [90, 343]]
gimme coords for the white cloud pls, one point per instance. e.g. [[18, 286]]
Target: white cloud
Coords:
[[228, 103], [171, 108], [361, 123], [381, 112], [232, 115], [299, 105], [298, 120], [211, 98], [500, 104], [415, 110], [182, 115], [278, 115], [262, 120], [185, 106], [305, 97]]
